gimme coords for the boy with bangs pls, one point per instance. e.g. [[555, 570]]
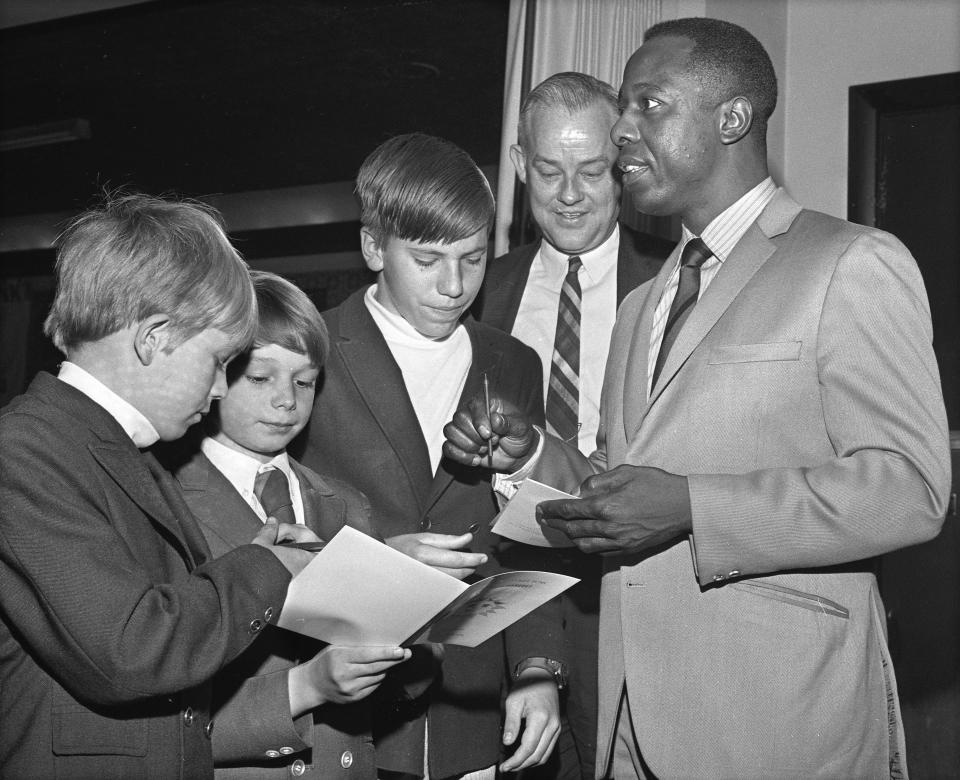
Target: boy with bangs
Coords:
[[278, 707], [402, 357], [113, 616]]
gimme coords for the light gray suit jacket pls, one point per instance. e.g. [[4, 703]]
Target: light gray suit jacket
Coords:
[[802, 400]]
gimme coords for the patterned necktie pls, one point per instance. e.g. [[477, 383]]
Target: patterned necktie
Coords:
[[273, 491], [695, 254], [563, 391]]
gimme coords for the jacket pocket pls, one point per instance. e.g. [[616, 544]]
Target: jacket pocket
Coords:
[[791, 596], [755, 353]]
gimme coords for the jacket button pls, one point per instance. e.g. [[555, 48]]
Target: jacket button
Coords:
[[286, 751], [734, 573], [346, 760], [268, 614], [273, 753], [298, 768], [255, 625], [718, 578], [425, 524], [208, 730], [188, 716]]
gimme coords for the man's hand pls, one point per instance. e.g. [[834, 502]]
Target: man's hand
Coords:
[[273, 534], [339, 674], [624, 510], [535, 703], [503, 430], [441, 551]]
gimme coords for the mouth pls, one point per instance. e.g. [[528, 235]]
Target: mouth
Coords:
[[279, 426], [631, 168], [571, 216]]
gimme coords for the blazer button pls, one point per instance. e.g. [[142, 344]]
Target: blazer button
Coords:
[[425, 524], [346, 760], [268, 614], [272, 753], [255, 625], [734, 573], [188, 716], [286, 751], [208, 730], [298, 768]]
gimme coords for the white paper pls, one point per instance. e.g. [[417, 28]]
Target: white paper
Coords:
[[518, 520], [358, 591]]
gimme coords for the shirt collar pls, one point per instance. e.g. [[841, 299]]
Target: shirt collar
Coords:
[[133, 422], [596, 262], [238, 467], [728, 227], [394, 327]]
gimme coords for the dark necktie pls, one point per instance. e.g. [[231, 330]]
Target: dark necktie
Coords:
[[273, 491], [695, 254], [563, 390]]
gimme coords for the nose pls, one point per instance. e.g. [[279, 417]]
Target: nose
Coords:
[[219, 388], [623, 131], [284, 396], [570, 193], [450, 283]]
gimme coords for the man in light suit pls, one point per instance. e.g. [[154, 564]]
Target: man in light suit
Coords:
[[749, 459], [568, 163]]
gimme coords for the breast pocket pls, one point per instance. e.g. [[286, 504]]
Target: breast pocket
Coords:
[[755, 353]]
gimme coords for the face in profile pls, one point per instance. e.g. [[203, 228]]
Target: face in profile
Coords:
[[268, 402], [184, 380], [569, 172], [430, 285], [666, 130]]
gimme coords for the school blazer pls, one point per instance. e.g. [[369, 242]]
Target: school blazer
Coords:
[[802, 401], [251, 713], [364, 431], [113, 619]]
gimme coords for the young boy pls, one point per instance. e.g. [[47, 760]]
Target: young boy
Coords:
[[268, 703], [402, 357], [113, 617]]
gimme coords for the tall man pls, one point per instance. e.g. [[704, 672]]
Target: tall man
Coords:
[[560, 295], [773, 417]]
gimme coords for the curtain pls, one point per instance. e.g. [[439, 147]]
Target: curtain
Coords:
[[591, 36]]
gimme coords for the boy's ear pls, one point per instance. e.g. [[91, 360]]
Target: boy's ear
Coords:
[[372, 251], [151, 336]]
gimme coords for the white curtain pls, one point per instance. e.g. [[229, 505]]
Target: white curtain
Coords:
[[591, 36]]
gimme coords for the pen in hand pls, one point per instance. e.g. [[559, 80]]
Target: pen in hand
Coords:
[[486, 400], [308, 546]]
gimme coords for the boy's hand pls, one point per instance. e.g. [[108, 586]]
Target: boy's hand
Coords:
[[273, 534], [339, 674], [441, 551]]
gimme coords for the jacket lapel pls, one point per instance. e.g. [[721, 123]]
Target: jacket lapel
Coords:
[[324, 512], [379, 382], [501, 312]]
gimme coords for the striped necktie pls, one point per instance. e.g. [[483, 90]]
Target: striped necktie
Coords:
[[695, 254], [273, 491], [563, 391]]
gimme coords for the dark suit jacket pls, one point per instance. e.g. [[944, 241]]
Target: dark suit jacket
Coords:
[[251, 704], [364, 430], [638, 259], [112, 623]]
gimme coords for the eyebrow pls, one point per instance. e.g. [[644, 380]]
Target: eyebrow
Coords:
[[592, 161]]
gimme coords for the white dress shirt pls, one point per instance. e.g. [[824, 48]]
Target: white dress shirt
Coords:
[[536, 322]]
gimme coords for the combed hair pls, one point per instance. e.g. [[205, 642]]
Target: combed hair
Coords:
[[569, 90], [417, 187], [137, 255], [728, 61], [288, 318]]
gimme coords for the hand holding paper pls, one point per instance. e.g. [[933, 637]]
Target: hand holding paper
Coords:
[[518, 521]]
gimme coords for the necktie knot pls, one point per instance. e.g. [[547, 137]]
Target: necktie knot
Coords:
[[574, 265], [273, 492], [695, 253]]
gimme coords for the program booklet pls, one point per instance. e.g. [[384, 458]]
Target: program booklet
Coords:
[[358, 591]]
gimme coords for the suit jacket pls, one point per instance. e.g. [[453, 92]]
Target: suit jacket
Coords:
[[802, 400], [364, 431], [251, 705], [639, 258], [113, 621]]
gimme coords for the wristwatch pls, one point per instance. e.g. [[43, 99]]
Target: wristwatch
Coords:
[[556, 668]]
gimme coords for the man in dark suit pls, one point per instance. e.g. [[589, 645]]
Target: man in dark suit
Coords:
[[567, 161], [113, 617], [401, 361]]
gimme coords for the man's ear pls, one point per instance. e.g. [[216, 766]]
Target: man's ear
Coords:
[[736, 119], [519, 160], [151, 336], [371, 249]]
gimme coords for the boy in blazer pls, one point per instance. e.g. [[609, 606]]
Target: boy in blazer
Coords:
[[114, 618], [289, 705], [401, 359]]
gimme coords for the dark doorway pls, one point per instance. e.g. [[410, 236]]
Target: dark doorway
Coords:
[[904, 178]]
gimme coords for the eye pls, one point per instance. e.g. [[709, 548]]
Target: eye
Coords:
[[475, 260], [646, 103], [255, 379], [593, 174], [305, 384], [424, 262]]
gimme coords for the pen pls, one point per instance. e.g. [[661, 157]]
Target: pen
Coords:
[[486, 400], [308, 546]]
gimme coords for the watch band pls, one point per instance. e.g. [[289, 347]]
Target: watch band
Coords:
[[556, 668]]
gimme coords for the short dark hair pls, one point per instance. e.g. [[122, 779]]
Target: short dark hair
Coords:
[[568, 90], [417, 187], [136, 255], [728, 60], [288, 318]]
